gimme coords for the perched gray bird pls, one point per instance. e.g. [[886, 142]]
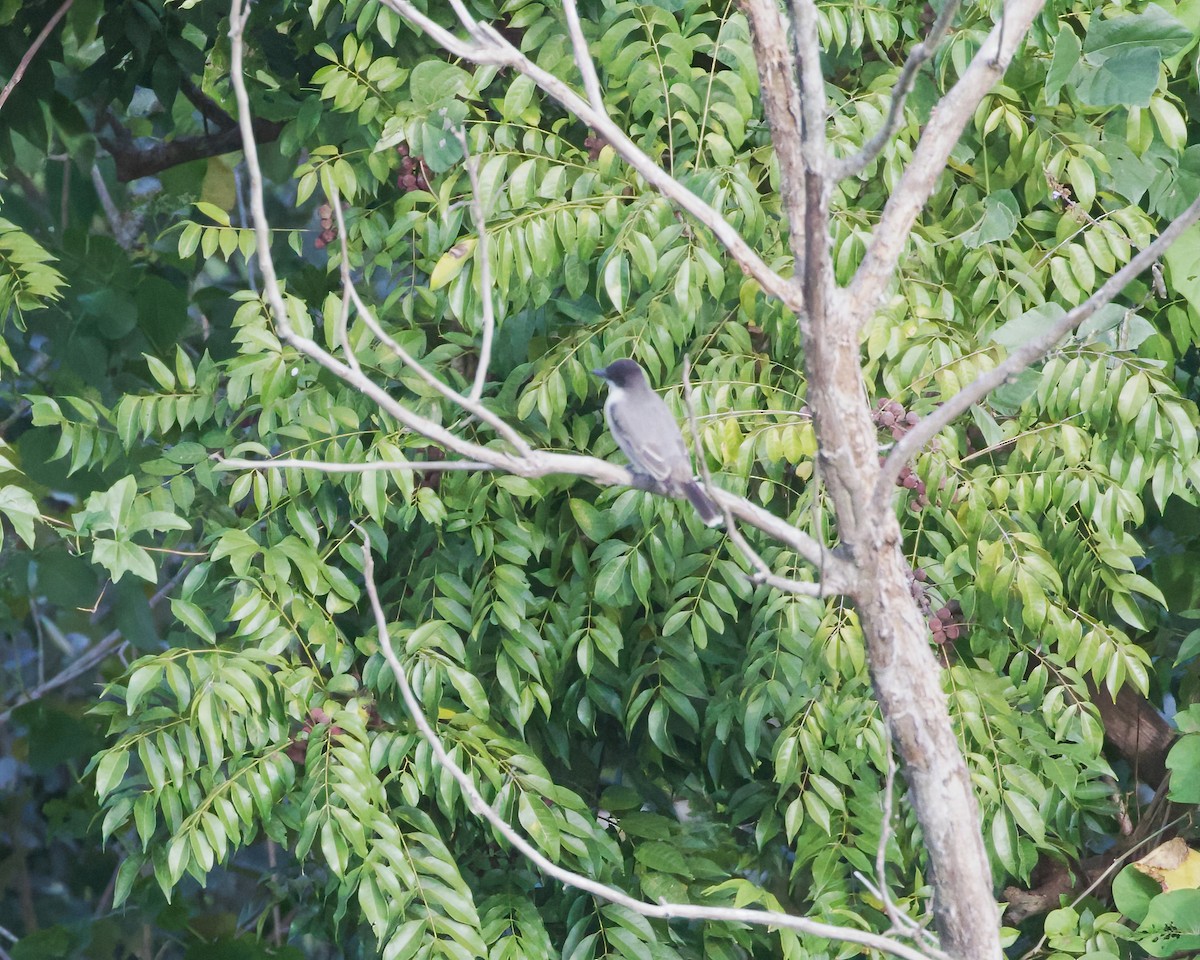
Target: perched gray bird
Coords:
[[649, 436]]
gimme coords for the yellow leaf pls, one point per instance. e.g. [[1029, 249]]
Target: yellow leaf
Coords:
[[1174, 864], [451, 263], [219, 188]]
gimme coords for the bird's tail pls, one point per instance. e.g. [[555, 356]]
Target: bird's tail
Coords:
[[709, 513]]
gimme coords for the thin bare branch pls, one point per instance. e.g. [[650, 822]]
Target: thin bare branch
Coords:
[[762, 570], [27, 57], [779, 91], [583, 58], [483, 261], [343, 321], [664, 910], [487, 46], [1023, 356], [918, 56], [476, 409], [90, 658], [124, 228], [901, 922], [470, 404], [369, 466], [943, 131]]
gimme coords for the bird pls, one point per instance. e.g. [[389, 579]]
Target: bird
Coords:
[[649, 436]]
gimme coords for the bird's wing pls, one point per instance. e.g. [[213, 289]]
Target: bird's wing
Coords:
[[664, 459]]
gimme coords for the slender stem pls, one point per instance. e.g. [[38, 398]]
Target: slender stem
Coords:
[[34, 47]]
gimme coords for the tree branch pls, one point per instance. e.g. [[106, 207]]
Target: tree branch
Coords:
[[943, 131], [1025, 355], [27, 57], [583, 58], [917, 58], [483, 260], [209, 109], [662, 910], [370, 466], [134, 161], [780, 92], [487, 46]]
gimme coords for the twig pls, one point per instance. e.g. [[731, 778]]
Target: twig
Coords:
[[1029, 352], [763, 572], [901, 922], [125, 229], [483, 260], [780, 94], [343, 336], [472, 407], [583, 57], [369, 466], [917, 58], [665, 910], [488, 46], [93, 655], [29, 54]]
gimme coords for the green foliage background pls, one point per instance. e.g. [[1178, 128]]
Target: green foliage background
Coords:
[[596, 659]]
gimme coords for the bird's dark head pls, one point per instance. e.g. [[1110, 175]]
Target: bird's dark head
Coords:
[[623, 374]]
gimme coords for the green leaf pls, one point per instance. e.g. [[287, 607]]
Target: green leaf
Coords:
[[213, 212], [1153, 29], [1067, 49], [18, 505], [1172, 924], [110, 770], [192, 617], [1127, 78], [1184, 763], [518, 98], [999, 219], [616, 279]]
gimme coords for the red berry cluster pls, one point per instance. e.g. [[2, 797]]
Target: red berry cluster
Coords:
[[910, 481], [947, 624], [328, 230], [412, 171], [316, 717], [892, 416]]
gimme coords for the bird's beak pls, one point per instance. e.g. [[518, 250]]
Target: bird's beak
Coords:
[[601, 373]]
